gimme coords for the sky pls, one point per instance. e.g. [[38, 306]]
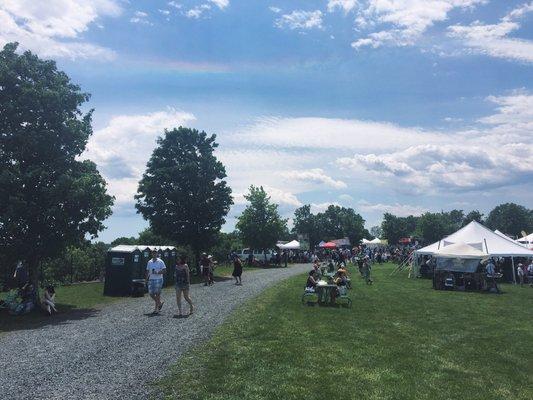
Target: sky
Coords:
[[401, 106]]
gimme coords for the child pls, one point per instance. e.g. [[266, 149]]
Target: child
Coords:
[[48, 302]]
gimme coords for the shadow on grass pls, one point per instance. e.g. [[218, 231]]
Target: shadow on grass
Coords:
[[38, 318]]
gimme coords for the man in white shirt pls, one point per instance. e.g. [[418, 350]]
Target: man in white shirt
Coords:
[[155, 268]]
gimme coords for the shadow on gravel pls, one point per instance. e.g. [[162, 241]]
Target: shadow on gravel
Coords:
[[38, 319]]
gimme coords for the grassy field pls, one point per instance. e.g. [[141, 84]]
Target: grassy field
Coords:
[[73, 301], [401, 340]]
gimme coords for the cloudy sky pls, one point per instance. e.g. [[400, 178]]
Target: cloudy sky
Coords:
[[398, 106]]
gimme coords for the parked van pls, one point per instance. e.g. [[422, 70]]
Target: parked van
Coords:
[[244, 254]]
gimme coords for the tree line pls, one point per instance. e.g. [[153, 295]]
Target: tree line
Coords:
[[509, 218]]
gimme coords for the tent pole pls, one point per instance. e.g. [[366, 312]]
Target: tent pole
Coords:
[[514, 274]]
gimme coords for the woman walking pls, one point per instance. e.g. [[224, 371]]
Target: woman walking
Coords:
[[183, 281], [237, 270]]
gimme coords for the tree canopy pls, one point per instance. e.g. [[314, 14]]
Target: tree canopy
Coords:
[[334, 223], [260, 224], [511, 219], [49, 199], [183, 193]]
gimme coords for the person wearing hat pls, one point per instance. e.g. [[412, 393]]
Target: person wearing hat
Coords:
[[206, 265], [520, 273]]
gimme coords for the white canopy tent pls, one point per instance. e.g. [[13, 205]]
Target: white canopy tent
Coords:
[[483, 239], [460, 250], [527, 241], [294, 245], [365, 241]]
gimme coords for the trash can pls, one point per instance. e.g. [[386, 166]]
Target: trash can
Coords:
[[138, 287]]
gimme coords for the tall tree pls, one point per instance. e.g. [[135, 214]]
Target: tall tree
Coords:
[[305, 223], [376, 231], [394, 228], [183, 193], [339, 222], [49, 199], [511, 218], [260, 224]]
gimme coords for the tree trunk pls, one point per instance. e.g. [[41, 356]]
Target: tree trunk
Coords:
[[197, 261], [33, 276]]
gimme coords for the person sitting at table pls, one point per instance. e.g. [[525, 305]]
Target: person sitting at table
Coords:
[[311, 282], [331, 267], [316, 266]]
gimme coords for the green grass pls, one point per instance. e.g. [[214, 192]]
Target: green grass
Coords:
[[73, 301], [401, 340]]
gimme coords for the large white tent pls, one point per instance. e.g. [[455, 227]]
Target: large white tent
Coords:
[[294, 245], [483, 239], [460, 250]]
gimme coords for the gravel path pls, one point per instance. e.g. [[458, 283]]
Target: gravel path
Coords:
[[117, 351]]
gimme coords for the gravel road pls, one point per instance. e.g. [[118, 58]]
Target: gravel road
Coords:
[[115, 352]]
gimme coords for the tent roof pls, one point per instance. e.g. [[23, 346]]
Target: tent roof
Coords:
[[527, 238], [460, 250], [482, 238], [126, 248], [294, 245], [365, 241], [376, 241]]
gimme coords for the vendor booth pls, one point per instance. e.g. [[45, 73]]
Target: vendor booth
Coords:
[[126, 265], [481, 238], [457, 267]]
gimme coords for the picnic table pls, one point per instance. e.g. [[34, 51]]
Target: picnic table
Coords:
[[324, 293]]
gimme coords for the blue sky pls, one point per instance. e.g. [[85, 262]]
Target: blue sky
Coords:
[[399, 106]]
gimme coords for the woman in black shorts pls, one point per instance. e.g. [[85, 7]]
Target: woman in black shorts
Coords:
[[183, 281], [237, 270]]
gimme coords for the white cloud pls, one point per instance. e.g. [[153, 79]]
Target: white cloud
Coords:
[[175, 4], [140, 17], [330, 133], [493, 40], [164, 12], [314, 176], [345, 5], [220, 3], [43, 26], [276, 10], [400, 210], [404, 21], [346, 197], [500, 154], [122, 148], [301, 20], [197, 11]]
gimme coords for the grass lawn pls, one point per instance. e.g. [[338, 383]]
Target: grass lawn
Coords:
[[401, 340], [73, 301]]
